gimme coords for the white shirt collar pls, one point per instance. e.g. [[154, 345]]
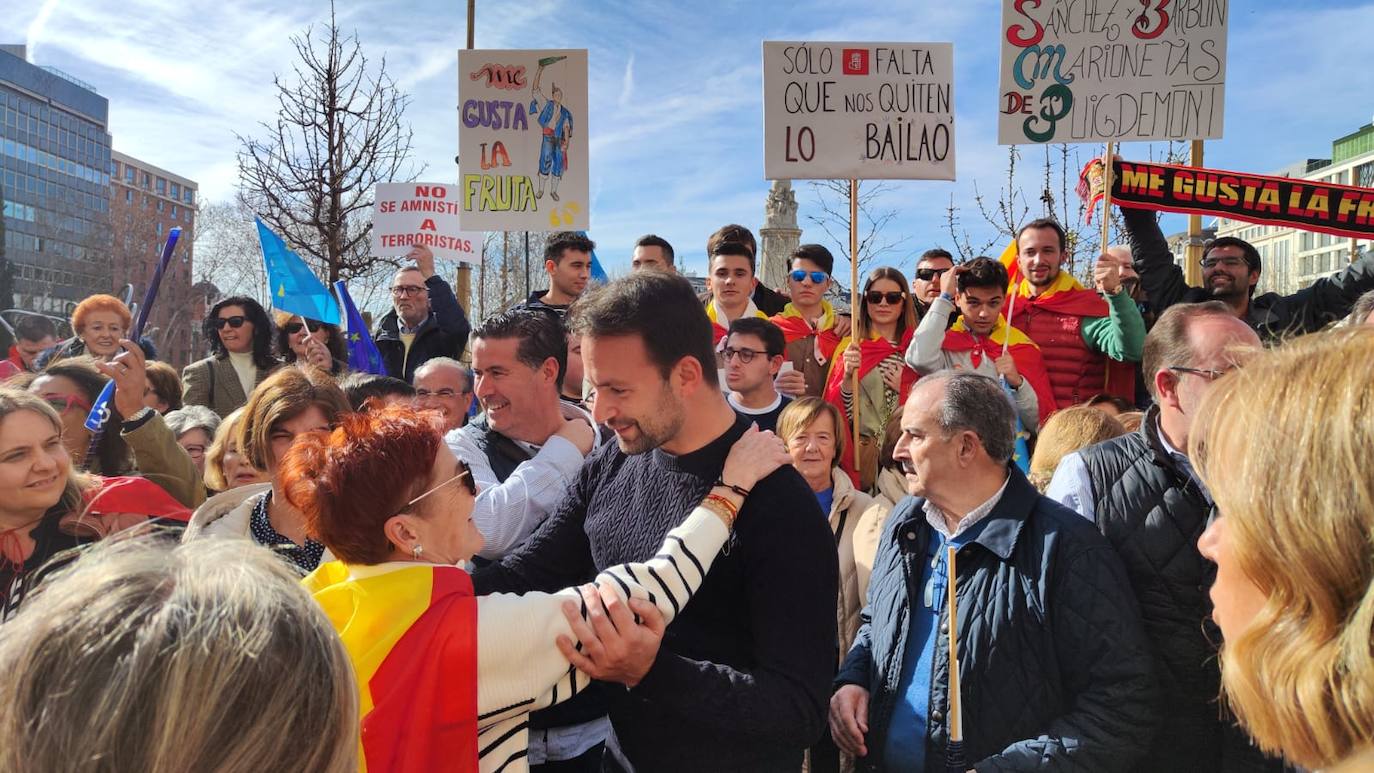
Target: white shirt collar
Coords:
[[936, 517], [773, 406]]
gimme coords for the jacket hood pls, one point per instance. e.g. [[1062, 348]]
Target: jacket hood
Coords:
[[219, 506], [891, 484]]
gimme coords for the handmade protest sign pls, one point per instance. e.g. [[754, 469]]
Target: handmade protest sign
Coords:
[[858, 111], [407, 214], [1343, 210], [1085, 71], [522, 139]]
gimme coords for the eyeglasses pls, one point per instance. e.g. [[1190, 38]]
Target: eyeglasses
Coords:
[[235, 322], [893, 299], [64, 403], [1207, 373], [292, 328], [817, 277], [444, 393], [746, 356], [927, 274], [1228, 262], [194, 451], [400, 291], [471, 487]]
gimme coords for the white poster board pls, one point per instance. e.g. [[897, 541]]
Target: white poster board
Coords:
[[522, 140], [1144, 70], [858, 111], [407, 214]]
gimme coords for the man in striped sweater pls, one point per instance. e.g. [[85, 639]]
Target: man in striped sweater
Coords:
[[741, 679]]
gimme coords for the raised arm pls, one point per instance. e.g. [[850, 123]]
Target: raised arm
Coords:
[[1160, 278]]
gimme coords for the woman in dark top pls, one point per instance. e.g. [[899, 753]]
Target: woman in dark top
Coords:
[[322, 345], [48, 507]]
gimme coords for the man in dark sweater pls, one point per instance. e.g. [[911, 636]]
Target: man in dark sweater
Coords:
[[741, 679]]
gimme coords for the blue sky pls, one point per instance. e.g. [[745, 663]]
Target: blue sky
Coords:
[[676, 91]]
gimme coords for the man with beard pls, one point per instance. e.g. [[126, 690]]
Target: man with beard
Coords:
[[741, 679], [1230, 272], [1088, 338], [426, 321]]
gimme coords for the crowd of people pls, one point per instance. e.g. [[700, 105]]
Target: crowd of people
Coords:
[[626, 527]]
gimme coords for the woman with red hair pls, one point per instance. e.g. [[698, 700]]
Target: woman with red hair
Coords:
[[100, 321], [447, 680]]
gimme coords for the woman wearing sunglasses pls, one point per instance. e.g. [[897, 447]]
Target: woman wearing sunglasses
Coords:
[[240, 336], [321, 345], [49, 506], [447, 679], [884, 326], [136, 440]]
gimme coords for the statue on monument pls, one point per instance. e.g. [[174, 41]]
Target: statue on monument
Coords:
[[779, 236]]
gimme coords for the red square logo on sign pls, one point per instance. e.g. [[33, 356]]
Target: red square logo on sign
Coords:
[[855, 61]]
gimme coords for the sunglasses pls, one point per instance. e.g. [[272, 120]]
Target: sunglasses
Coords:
[[927, 274], [817, 277], [235, 322], [292, 328], [64, 403], [893, 299]]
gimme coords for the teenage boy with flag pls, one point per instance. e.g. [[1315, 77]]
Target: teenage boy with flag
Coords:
[[809, 323]]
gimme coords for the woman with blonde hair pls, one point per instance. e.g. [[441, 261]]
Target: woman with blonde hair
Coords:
[[225, 467], [1284, 447], [1065, 432], [144, 656]]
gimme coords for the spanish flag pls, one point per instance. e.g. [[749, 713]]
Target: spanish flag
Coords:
[[794, 328], [411, 633]]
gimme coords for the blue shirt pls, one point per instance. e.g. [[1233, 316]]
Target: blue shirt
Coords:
[[826, 498]]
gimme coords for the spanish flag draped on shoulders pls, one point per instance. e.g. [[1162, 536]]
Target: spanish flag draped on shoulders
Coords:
[[411, 632], [876, 406], [810, 344], [720, 324], [1023, 352], [1088, 343]]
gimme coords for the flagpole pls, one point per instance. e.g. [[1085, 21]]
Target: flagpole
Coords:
[[856, 329], [1107, 198], [954, 750]]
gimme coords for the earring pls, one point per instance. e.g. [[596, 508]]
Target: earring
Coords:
[[416, 551]]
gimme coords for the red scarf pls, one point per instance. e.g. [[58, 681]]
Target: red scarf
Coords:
[[871, 353], [1023, 352], [794, 328]]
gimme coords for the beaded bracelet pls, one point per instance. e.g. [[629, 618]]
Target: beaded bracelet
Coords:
[[722, 507]]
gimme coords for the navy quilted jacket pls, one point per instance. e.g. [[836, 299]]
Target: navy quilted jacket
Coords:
[[1055, 667]]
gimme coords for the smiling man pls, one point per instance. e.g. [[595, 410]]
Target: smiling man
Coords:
[[443, 384]]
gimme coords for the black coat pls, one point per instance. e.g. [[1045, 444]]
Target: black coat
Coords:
[[1055, 669], [1153, 512], [443, 334], [1272, 316]]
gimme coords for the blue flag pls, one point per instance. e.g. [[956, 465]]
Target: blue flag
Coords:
[[1020, 452], [363, 355], [598, 273], [295, 288]]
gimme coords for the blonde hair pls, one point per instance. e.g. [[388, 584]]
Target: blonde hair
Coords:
[[1131, 420], [1066, 431], [282, 396], [1284, 447], [150, 656], [14, 400], [225, 436], [799, 414]]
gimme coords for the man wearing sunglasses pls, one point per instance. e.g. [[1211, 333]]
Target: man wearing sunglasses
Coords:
[[809, 324], [753, 355], [426, 321], [1231, 273], [1143, 494], [925, 283]]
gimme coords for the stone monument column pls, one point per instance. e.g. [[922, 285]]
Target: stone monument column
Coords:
[[779, 235]]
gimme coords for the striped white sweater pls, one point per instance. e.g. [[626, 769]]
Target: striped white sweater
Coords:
[[519, 668]]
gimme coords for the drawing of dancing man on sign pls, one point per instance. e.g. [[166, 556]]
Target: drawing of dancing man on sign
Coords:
[[557, 125]]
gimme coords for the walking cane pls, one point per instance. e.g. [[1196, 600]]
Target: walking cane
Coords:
[[954, 750]]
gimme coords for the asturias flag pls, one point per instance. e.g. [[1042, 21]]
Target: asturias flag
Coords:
[[412, 636], [295, 288], [363, 355]]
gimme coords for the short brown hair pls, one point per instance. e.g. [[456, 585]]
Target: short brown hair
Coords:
[[165, 383], [731, 233], [799, 414], [1167, 343], [97, 303], [285, 395]]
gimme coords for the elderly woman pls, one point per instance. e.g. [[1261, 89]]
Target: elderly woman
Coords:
[[194, 427], [48, 507], [136, 439], [163, 392], [883, 330], [1294, 590], [240, 336], [321, 345], [290, 402], [1067, 431], [153, 657], [100, 322], [448, 680], [225, 467]]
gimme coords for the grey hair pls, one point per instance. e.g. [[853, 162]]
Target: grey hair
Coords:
[[978, 404], [447, 362], [145, 655], [1360, 311], [190, 417]]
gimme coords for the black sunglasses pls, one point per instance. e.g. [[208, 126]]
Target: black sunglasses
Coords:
[[235, 321], [292, 328], [893, 299], [927, 274]]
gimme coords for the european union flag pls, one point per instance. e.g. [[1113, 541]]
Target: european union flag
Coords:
[[363, 355], [295, 288], [598, 273]]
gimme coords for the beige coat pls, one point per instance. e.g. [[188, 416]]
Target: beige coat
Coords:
[[869, 530], [213, 383], [844, 517]]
